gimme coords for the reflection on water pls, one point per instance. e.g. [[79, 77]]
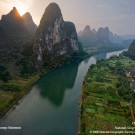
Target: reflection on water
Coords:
[[86, 60], [108, 55], [100, 56], [51, 107], [54, 84]]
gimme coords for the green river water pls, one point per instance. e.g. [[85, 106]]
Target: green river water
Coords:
[[52, 105]]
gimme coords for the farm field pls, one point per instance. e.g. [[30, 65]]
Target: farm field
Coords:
[[107, 100]]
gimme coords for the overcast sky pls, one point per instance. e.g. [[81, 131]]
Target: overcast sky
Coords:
[[118, 15]]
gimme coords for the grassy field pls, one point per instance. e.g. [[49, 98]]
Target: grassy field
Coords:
[[106, 96], [14, 90]]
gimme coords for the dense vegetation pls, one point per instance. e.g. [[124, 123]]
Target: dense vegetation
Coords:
[[12, 91], [4, 74], [131, 51], [17, 57], [107, 99]]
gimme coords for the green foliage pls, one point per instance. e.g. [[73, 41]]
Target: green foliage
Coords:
[[9, 87], [26, 67], [30, 82], [10, 93], [123, 87], [90, 110], [118, 64], [4, 74], [106, 96]]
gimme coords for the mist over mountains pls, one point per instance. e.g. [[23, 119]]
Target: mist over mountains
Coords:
[[128, 36], [102, 38], [27, 48]]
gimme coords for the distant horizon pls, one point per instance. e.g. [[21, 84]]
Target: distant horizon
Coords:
[[120, 19]]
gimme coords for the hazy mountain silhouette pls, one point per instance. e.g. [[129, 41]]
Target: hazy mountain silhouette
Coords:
[[15, 44], [29, 23], [102, 38]]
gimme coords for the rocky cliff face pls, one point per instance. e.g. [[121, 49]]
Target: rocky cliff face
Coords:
[[71, 35], [55, 40], [29, 23]]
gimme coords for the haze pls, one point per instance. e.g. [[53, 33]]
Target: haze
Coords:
[[118, 15]]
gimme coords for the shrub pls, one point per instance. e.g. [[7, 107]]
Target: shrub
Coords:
[[9, 87], [4, 74]]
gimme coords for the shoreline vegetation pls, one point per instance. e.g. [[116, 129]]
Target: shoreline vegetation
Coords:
[[107, 99], [14, 90], [9, 98]]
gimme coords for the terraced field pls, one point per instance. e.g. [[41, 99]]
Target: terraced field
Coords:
[[106, 96]]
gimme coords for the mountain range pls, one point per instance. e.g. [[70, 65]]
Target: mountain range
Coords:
[[15, 42], [24, 47], [102, 38], [16, 29]]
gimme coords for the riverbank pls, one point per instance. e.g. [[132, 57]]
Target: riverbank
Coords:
[[106, 96], [14, 91]]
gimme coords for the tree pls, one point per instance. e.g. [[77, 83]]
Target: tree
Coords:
[[4, 74]]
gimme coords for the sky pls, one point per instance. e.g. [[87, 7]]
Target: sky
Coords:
[[118, 15]]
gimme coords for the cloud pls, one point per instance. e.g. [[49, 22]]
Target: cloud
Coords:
[[100, 5], [13, 2], [125, 2], [10, 2]]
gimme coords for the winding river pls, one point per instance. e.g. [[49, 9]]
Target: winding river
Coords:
[[51, 107]]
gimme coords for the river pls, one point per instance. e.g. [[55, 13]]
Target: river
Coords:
[[52, 105]]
